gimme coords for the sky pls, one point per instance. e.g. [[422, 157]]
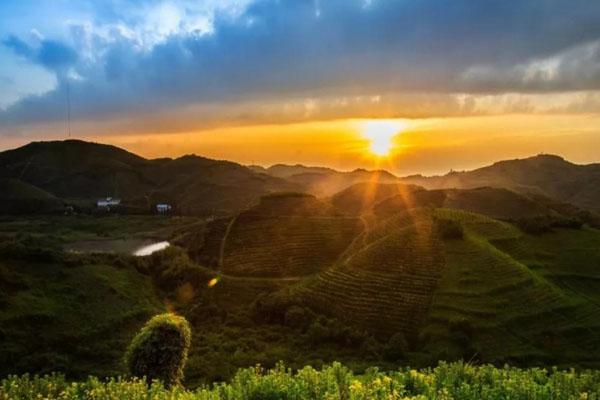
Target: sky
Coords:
[[415, 86]]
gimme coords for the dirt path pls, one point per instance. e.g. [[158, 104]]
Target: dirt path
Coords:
[[222, 249]]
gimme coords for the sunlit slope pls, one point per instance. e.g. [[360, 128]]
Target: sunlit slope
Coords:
[[503, 292], [544, 174], [72, 315], [385, 281], [292, 236], [495, 294]]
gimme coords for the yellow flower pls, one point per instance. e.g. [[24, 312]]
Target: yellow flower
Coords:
[[356, 386]]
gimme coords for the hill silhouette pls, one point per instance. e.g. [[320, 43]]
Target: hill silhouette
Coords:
[[78, 173], [325, 182], [548, 175], [77, 170]]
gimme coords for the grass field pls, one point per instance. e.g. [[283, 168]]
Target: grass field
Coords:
[[301, 284], [502, 292], [73, 312], [447, 381]]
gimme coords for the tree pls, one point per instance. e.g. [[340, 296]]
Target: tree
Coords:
[[160, 349]]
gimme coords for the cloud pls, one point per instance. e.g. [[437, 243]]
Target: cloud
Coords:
[[576, 68], [156, 56], [53, 55]]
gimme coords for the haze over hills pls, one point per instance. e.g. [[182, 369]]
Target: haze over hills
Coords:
[[41, 174], [548, 175], [322, 181]]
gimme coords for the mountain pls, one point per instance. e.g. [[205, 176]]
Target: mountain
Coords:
[[83, 172], [18, 197], [324, 182], [548, 175], [59, 173], [427, 265]]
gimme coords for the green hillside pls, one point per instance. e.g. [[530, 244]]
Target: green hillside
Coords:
[[17, 197], [454, 284], [82, 172], [74, 313], [378, 274], [544, 174], [508, 295]]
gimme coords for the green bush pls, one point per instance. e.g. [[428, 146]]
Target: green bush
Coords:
[[396, 347], [449, 229], [160, 349], [538, 225], [298, 317]]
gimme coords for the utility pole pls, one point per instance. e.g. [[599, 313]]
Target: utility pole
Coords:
[[68, 109]]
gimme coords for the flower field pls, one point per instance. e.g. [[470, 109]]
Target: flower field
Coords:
[[447, 381]]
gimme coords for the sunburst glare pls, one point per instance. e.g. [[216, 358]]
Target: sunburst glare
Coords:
[[380, 133]]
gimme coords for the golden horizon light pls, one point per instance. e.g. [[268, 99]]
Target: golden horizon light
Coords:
[[380, 134]]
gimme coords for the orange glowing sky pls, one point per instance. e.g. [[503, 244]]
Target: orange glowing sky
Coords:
[[428, 146]]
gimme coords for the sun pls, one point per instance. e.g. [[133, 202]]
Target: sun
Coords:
[[380, 133]]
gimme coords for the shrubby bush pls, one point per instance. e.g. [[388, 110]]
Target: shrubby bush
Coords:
[[448, 229], [271, 308], [325, 330], [160, 349], [545, 223], [396, 348], [298, 317], [172, 268]]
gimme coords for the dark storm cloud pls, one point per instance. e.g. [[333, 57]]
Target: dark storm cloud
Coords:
[[342, 48]]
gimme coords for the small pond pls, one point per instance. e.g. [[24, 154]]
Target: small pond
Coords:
[[136, 247]]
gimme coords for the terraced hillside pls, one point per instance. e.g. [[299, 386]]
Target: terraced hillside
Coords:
[[385, 283], [515, 296], [289, 237]]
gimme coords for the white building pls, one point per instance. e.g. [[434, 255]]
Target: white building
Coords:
[[163, 208], [108, 202]]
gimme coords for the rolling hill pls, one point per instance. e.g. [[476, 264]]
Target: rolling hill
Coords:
[[78, 173], [482, 288], [548, 175], [324, 182], [82, 172]]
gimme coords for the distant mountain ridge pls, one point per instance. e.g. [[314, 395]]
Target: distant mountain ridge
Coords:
[[544, 174], [547, 175], [81, 171], [325, 182], [47, 175]]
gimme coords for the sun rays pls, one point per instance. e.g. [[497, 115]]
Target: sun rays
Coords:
[[380, 133]]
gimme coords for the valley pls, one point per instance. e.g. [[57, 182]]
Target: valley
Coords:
[[379, 273]]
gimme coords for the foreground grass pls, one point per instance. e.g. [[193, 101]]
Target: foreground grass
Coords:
[[447, 381]]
